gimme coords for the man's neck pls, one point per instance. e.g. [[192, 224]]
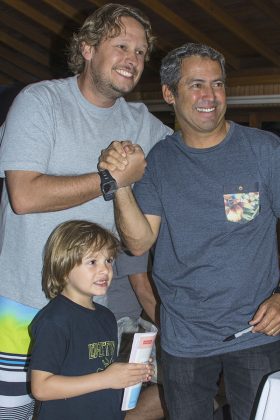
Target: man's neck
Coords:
[[202, 140], [92, 95]]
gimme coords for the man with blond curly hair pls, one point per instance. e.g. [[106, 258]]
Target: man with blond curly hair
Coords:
[[51, 143]]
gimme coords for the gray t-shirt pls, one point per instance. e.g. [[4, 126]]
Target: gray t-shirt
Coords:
[[216, 255], [52, 129]]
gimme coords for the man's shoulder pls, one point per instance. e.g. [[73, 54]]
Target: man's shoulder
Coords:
[[44, 96], [134, 106], [140, 112], [167, 143], [141, 125], [44, 92], [256, 133], [264, 144], [51, 84]]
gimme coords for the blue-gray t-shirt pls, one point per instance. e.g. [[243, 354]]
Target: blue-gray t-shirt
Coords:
[[216, 255]]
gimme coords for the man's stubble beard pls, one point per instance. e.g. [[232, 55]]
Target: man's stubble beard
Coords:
[[107, 88]]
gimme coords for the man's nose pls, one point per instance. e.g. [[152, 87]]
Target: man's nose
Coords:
[[132, 57], [208, 91]]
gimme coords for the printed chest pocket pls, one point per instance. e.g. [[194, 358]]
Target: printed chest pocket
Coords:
[[241, 202]]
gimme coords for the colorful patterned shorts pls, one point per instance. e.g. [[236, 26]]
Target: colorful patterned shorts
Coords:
[[15, 348]]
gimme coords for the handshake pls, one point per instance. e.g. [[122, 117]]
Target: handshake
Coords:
[[125, 162]]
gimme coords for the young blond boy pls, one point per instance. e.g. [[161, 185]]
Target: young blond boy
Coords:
[[75, 340]]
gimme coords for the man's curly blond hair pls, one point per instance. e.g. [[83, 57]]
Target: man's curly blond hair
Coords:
[[104, 23]]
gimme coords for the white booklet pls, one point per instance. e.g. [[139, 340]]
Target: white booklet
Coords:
[[140, 353]]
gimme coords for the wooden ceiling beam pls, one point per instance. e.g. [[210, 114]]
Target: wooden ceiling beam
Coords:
[[17, 74], [38, 17], [5, 80], [36, 70], [231, 24], [66, 10], [189, 30], [273, 12], [28, 31], [253, 79], [98, 3], [24, 49]]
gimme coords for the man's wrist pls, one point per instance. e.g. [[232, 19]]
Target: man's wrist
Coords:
[[108, 185], [123, 191]]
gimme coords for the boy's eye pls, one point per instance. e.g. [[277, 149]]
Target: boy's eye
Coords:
[[110, 260], [92, 262]]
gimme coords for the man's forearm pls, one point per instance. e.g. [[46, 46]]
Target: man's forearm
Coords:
[[32, 192], [133, 226]]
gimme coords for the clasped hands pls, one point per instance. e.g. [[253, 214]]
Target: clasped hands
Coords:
[[124, 160]]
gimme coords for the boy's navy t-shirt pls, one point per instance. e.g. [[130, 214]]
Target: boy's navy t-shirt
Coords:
[[72, 340]]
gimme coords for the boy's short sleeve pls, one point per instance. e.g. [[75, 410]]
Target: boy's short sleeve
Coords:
[[49, 347]]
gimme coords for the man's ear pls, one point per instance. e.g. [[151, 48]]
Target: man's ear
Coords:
[[86, 50], [167, 95]]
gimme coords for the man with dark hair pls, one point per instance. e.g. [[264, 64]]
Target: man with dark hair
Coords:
[[210, 199], [52, 139]]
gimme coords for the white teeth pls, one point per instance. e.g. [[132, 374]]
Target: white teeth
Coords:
[[205, 109], [101, 282], [124, 73]]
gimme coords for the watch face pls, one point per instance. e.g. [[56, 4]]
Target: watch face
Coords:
[[109, 187]]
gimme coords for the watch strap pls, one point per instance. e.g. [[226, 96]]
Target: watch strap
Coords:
[[106, 178]]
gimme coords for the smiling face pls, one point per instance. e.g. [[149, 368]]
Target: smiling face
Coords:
[[200, 102], [114, 67], [91, 278]]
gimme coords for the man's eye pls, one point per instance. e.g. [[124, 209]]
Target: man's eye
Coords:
[[122, 47], [196, 85], [140, 52], [219, 84]]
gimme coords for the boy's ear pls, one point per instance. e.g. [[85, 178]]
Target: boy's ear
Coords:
[[86, 50], [167, 95]]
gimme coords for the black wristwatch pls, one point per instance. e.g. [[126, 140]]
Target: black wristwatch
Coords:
[[108, 185]]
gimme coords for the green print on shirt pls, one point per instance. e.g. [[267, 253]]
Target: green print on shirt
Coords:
[[101, 349]]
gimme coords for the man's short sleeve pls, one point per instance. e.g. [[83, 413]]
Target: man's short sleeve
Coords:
[[127, 264], [147, 190], [27, 134]]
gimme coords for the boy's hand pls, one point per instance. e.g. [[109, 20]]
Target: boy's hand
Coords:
[[122, 375]]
